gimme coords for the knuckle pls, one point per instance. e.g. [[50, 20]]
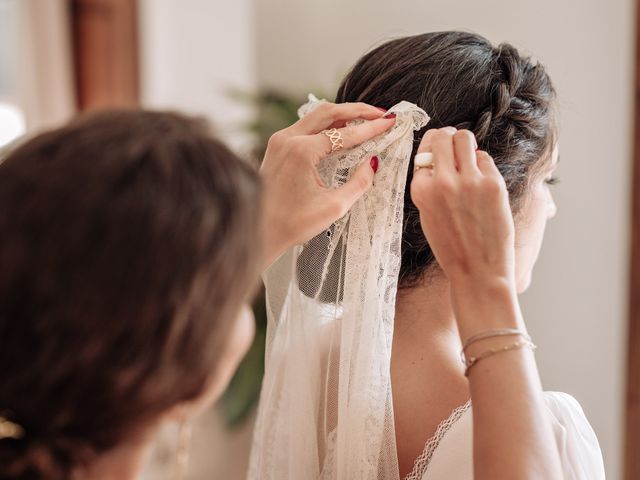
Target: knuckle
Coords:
[[362, 107], [429, 134], [442, 137], [277, 140], [484, 157], [493, 184], [485, 164], [327, 109], [425, 141], [438, 135], [349, 131], [445, 184], [469, 184], [464, 136], [295, 146]]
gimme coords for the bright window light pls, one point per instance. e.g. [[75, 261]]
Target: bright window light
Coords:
[[12, 124]]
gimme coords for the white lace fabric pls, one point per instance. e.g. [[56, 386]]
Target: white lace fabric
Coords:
[[422, 462], [326, 409]]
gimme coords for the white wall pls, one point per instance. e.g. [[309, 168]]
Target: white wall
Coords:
[[42, 67], [192, 53], [576, 307]]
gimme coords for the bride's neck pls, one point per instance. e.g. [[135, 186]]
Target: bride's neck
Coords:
[[424, 319]]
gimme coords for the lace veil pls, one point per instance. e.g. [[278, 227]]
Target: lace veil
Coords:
[[326, 409]]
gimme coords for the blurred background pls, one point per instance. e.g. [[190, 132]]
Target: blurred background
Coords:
[[247, 64]]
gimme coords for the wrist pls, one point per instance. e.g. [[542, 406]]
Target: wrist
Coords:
[[481, 285], [274, 243], [485, 303]]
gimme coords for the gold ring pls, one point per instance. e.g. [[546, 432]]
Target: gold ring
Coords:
[[335, 137], [428, 167]]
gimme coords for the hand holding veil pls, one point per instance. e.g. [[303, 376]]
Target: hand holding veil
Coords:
[[326, 408]]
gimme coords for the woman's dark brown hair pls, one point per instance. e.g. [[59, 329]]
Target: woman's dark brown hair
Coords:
[[461, 80], [128, 243]]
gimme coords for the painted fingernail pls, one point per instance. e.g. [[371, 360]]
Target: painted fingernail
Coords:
[[390, 115], [374, 164], [383, 110]]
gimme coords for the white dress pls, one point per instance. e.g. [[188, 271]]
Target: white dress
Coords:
[[448, 455]]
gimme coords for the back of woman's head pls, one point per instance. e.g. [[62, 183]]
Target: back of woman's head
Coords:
[[128, 246], [461, 80]]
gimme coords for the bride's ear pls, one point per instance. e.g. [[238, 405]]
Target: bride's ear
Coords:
[[180, 412]]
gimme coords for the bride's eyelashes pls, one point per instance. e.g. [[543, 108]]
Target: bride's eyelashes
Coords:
[[552, 180]]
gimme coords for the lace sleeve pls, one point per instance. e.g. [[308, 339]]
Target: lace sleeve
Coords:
[[578, 445]]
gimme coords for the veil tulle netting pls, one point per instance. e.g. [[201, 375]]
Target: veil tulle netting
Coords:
[[326, 409]]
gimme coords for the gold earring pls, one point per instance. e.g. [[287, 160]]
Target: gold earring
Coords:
[[184, 446]]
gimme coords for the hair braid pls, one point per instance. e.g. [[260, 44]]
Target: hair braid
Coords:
[[506, 99]]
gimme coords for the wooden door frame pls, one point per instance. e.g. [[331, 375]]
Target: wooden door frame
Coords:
[[105, 48], [632, 411]]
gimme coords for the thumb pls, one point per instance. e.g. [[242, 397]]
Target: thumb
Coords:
[[359, 183]]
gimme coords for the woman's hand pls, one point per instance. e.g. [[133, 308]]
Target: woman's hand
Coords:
[[464, 208], [297, 205], [465, 215], [466, 218]]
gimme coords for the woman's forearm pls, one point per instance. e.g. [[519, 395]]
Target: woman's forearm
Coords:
[[467, 219], [512, 437]]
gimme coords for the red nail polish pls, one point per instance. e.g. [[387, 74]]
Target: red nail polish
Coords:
[[390, 115], [374, 164], [383, 110]]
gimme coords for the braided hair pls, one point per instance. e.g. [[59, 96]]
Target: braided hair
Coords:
[[506, 99]]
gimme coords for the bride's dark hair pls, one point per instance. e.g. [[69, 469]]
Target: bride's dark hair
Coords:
[[462, 80]]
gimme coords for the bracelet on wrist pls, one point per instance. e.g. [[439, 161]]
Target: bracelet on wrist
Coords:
[[497, 332], [471, 361]]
